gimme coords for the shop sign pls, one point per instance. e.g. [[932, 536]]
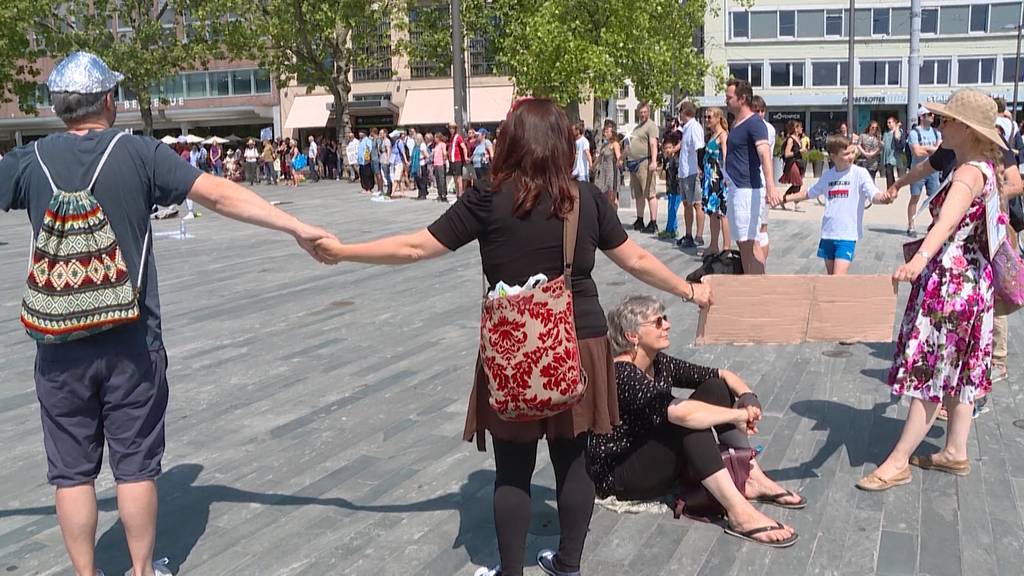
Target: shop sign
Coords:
[[785, 116], [944, 97], [877, 99], [155, 103]]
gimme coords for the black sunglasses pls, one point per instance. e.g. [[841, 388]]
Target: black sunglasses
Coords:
[[658, 322]]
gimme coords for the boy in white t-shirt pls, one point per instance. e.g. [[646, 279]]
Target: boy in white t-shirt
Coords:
[[846, 188]]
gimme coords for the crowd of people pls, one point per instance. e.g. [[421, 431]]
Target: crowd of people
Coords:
[[528, 201]]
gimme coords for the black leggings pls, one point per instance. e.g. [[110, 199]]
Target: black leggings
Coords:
[[656, 467], [514, 464], [890, 176]]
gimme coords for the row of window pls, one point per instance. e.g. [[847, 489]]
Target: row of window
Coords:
[[192, 85], [834, 23], [934, 72]]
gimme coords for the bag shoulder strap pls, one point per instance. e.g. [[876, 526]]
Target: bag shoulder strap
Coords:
[[103, 160], [570, 231]]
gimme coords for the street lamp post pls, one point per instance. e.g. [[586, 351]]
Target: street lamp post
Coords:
[[459, 66], [850, 126], [1016, 68]]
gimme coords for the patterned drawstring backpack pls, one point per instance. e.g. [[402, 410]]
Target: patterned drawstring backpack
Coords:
[[78, 283]]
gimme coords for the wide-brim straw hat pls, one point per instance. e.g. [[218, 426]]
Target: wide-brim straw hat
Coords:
[[975, 109]]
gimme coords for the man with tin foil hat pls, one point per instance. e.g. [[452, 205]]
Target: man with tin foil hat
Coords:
[[100, 370]]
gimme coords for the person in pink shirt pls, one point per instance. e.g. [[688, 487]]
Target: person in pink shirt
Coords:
[[440, 155]]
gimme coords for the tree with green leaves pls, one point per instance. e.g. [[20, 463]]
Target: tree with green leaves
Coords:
[[18, 73], [315, 43], [146, 41], [568, 50]]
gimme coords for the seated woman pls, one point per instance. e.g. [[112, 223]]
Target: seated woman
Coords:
[[660, 437]]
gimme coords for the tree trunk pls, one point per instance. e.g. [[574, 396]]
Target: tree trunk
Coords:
[[146, 110], [340, 112], [572, 110]]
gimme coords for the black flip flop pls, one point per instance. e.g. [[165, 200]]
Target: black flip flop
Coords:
[[774, 500], [749, 536]]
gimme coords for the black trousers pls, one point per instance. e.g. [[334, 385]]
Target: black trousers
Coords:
[[890, 176], [440, 178], [514, 463], [672, 451], [366, 177], [421, 181]]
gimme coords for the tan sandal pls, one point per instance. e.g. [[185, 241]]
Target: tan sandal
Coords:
[[875, 483], [956, 467]]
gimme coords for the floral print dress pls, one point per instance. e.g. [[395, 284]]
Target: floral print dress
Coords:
[[945, 342], [714, 184]]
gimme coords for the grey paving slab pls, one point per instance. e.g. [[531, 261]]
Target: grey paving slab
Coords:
[[316, 417]]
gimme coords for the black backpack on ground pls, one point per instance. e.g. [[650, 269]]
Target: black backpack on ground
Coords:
[[725, 262]]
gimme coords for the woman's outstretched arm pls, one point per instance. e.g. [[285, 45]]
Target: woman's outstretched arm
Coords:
[[400, 249]]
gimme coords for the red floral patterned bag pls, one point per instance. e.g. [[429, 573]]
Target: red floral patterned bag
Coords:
[[528, 346]]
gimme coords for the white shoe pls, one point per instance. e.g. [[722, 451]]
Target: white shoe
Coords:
[[485, 571], [159, 568], [189, 216]]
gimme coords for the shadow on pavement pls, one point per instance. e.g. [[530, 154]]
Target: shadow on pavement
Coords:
[[865, 434]]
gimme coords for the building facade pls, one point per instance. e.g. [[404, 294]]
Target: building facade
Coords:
[[795, 55]]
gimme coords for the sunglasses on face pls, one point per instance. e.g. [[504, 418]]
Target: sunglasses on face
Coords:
[[658, 322]]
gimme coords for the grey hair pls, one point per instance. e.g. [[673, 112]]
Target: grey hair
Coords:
[[627, 317], [75, 106]]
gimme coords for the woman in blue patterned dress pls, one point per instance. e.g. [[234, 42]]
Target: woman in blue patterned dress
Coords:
[[945, 344], [714, 182]]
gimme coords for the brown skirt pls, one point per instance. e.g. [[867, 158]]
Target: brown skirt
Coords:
[[598, 411]]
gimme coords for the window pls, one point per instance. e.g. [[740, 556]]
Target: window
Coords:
[[195, 85], [880, 72], [621, 116], [220, 84], [829, 73], [624, 92], [787, 74], [482, 51], [935, 73], [262, 80], [374, 50], [833, 23], [979, 18], [976, 70], [1009, 67], [929, 21], [810, 24], [241, 82], [172, 88], [787, 23], [750, 71], [741, 24], [880, 22], [42, 95]]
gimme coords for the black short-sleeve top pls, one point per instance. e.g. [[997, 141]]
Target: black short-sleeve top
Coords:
[[513, 249]]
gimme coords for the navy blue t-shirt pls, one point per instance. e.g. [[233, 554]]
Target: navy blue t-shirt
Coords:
[[141, 172], [742, 163]]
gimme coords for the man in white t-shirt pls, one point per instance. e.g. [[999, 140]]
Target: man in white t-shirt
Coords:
[[847, 188], [761, 109], [581, 167], [313, 155], [691, 140]]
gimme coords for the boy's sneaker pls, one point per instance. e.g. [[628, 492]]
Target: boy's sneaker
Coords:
[[651, 228], [485, 571], [686, 242], [638, 225], [546, 562], [699, 240], [159, 568]]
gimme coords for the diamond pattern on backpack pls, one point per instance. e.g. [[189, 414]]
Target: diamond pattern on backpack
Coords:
[[78, 282]]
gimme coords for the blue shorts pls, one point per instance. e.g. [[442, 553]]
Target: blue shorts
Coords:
[[931, 182], [837, 249], [105, 389]]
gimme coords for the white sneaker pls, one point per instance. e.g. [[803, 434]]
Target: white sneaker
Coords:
[[159, 568], [189, 216], [485, 571]]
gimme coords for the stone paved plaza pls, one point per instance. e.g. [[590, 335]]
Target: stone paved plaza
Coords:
[[316, 415]]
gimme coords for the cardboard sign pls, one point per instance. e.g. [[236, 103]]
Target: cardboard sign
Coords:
[[795, 309]]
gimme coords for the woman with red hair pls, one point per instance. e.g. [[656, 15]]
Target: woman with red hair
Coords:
[[517, 219]]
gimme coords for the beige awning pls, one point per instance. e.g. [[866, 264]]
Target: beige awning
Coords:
[[487, 104], [309, 112]]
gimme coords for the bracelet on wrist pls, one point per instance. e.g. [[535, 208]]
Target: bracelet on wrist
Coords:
[[692, 293], [924, 254]]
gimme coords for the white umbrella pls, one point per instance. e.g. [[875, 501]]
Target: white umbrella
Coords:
[[216, 140], [192, 139], [169, 140]]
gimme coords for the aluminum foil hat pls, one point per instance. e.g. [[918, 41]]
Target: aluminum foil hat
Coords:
[[84, 73]]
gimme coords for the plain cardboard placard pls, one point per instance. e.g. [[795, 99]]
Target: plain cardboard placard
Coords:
[[795, 309]]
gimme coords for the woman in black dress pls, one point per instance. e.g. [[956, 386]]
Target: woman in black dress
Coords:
[[517, 220]]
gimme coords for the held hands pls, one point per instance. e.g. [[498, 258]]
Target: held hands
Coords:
[[747, 419], [330, 250], [307, 237]]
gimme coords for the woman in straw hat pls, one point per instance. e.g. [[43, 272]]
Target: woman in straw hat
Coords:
[[945, 343]]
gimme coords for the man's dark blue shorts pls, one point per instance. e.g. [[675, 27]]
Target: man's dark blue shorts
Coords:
[[109, 387]]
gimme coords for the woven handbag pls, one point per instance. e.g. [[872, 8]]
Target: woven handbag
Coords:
[[528, 346], [78, 282], [1008, 276]]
